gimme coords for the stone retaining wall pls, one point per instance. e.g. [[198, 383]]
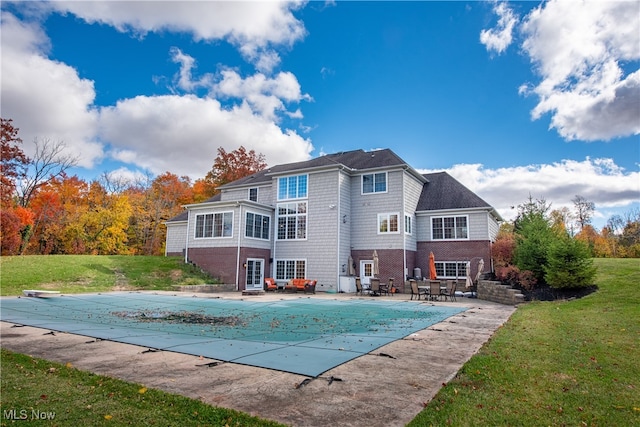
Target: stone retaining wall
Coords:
[[497, 292]]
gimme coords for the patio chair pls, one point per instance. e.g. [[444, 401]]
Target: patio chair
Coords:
[[270, 284], [359, 288], [387, 288], [434, 290], [415, 290], [384, 288], [375, 287], [449, 290]]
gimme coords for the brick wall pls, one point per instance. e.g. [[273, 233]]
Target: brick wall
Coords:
[[220, 263]]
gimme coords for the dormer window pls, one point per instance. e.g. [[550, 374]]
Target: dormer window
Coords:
[[374, 183]]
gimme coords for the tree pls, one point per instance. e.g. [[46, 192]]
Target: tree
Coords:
[[232, 166], [48, 162], [13, 161], [584, 210], [569, 264], [533, 236]]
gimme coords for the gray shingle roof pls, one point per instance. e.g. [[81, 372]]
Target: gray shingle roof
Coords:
[[357, 159], [445, 192]]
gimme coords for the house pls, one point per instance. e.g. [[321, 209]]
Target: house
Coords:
[[323, 219]]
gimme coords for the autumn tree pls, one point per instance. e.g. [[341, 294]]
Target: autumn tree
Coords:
[[13, 161], [152, 206], [231, 166], [15, 222]]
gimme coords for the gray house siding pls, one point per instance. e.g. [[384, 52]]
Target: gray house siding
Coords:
[[341, 221], [176, 239], [320, 248], [367, 207]]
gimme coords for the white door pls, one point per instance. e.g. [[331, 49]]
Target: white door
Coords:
[[366, 272], [255, 274]]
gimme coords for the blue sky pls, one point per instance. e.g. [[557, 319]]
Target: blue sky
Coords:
[[511, 98]]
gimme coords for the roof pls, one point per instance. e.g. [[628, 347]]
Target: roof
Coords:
[[184, 215], [353, 160], [442, 192]]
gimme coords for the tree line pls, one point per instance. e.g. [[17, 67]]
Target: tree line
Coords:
[[46, 211]]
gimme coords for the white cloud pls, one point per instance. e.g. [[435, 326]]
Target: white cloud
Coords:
[[600, 181], [181, 134], [184, 78], [499, 38], [263, 94], [255, 28], [581, 49], [45, 99]]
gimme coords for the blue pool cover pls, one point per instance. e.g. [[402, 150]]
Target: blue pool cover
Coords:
[[304, 336]]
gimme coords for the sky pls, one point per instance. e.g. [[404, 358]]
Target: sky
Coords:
[[513, 99]]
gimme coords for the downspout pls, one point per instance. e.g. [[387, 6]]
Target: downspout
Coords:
[[238, 253], [186, 243], [339, 219], [404, 232]]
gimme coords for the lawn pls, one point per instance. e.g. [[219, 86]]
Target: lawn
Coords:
[[554, 363], [95, 273]]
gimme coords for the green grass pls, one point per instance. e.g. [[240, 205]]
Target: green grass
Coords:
[[36, 388], [95, 273], [571, 363]]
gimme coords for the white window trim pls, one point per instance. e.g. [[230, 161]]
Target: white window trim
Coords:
[[287, 198], [460, 266], [387, 216], [408, 230], [449, 216], [285, 260], [253, 237], [195, 228], [249, 193], [298, 215], [386, 181]]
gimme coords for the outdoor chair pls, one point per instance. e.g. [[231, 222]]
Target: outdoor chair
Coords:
[[387, 288], [449, 290], [434, 290], [358, 286], [270, 284], [384, 288], [375, 287], [415, 290]]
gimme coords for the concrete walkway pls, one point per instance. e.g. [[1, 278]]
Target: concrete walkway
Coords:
[[375, 390]]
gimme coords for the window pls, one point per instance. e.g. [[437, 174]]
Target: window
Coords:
[[374, 183], [290, 269], [292, 187], [388, 223], [292, 221], [253, 194], [449, 228], [214, 225], [451, 269], [407, 224], [257, 226]]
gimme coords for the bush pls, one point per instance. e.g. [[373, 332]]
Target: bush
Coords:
[[569, 264]]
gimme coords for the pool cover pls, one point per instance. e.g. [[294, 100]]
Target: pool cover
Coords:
[[304, 336]]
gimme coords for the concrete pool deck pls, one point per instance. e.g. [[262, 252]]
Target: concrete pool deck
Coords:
[[387, 387]]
